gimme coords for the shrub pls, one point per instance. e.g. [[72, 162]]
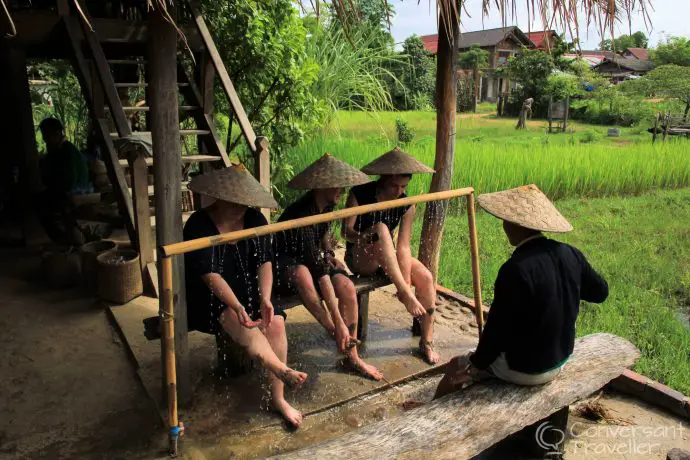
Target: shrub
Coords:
[[405, 134]]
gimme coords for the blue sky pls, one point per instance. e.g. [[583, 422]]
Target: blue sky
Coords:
[[667, 17]]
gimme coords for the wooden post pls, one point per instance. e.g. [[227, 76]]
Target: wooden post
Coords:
[[446, 90], [168, 347], [262, 168], [14, 67], [142, 219], [363, 319], [656, 125], [667, 121], [206, 74], [567, 113], [550, 112], [165, 134], [474, 253]]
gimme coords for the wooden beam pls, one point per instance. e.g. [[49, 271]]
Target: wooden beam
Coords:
[[262, 168], [165, 134], [467, 422], [446, 91], [115, 172], [142, 215], [229, 88], [205, 77]]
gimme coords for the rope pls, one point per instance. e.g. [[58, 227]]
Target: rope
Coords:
[[165, 316]]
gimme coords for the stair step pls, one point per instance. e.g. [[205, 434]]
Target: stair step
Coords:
[[185, 218], [185, 159], [145, 108], [184, 132], [141, 85], [183, 186]]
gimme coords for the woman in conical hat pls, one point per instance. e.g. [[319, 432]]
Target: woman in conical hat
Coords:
[[530, 332], [306, 263], [370, 246], [229, 286]]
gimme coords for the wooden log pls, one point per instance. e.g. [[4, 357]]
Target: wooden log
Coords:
[[234, 99], [474, 254], [466, 423], [262, 168], [224, 238], [447, 99], [165, 134]]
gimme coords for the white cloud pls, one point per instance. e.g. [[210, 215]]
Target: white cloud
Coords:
[[667, 17]]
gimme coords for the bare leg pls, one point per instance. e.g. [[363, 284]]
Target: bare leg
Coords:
[[345, 291], [301, 277], [425, 289], [275, 334], [259, 348], [383, 253]]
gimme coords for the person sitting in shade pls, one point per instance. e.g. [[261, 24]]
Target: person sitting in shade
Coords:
[[306, 263], [370, 248], [229, 286], [530, 331]]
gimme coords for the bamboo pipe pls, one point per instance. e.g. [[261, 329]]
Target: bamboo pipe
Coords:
[[474, 252], [169, 346], [231, 237]]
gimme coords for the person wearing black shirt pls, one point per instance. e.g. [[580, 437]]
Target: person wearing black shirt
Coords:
[[229, 286], [530, 332], [306, 263], [370, 246], [65, 172]]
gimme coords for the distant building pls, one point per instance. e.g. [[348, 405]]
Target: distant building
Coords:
[[641, 54], [543, 39], [501, 43], [618, 68], [592, 57]]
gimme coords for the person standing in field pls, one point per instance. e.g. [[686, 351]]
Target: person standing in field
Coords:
[[530, 332], [229, 286], [370, 247], [306, 263]]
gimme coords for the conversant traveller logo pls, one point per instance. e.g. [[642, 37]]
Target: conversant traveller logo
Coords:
[[597, 440]]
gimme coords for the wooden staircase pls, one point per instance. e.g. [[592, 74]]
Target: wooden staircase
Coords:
[[111, 111]]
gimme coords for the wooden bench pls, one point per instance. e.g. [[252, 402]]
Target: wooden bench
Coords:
[[231, 358]]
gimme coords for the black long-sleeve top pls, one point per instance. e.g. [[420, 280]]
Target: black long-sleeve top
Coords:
[[536, 302]]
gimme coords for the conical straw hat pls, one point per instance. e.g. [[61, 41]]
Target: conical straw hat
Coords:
[[396, 162], [328, 172], [527, 207], [234, 185]]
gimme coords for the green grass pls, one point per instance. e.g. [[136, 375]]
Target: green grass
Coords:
[[491, 155], [641, 246]]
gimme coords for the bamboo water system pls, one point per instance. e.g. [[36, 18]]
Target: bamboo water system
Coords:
[[170, 250]]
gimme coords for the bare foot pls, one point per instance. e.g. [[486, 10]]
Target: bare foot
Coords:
[[412, 304], [367, 370], [427, 349], [289, 413], [291, 377]]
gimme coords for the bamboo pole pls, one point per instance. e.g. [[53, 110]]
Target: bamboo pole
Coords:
[[231, 237], [474, 252], [168, 318]]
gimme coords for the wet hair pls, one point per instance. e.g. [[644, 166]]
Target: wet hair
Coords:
[[51, 124]]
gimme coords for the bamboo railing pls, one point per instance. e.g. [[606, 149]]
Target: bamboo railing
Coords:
[[171, 250]]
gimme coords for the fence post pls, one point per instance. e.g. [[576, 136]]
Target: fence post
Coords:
[[262, 168], [474, 253], [656, 125]]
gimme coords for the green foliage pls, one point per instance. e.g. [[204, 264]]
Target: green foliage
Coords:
[[404, 133], [675, 50], [62, 100], [671, 81], [531, 68], [622, 43], [263, 46], [474, 58], [609, 106], [562, 85], [417, 75]]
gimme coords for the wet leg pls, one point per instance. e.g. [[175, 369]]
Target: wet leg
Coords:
[[275, 334], [301, 277], [425, 289]]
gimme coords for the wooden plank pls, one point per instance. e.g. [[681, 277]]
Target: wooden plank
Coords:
[[139, 85], [105, 77], [262, 169], [184, 159], [152, 276], [203, 120], [142, 216], [165, 134], [115, 172], [205, 76], [447, 90], [183, 132], [151, 189], [145, 108], [229, 88], [466, 423]]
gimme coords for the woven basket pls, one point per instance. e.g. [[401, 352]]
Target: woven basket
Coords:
[[61, 268], [119, 276], [89, 264]]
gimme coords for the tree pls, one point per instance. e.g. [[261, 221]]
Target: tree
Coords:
[[675, 50], [475, 59], [417, 73], [624, 42], [671, 81], [531, 68]]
